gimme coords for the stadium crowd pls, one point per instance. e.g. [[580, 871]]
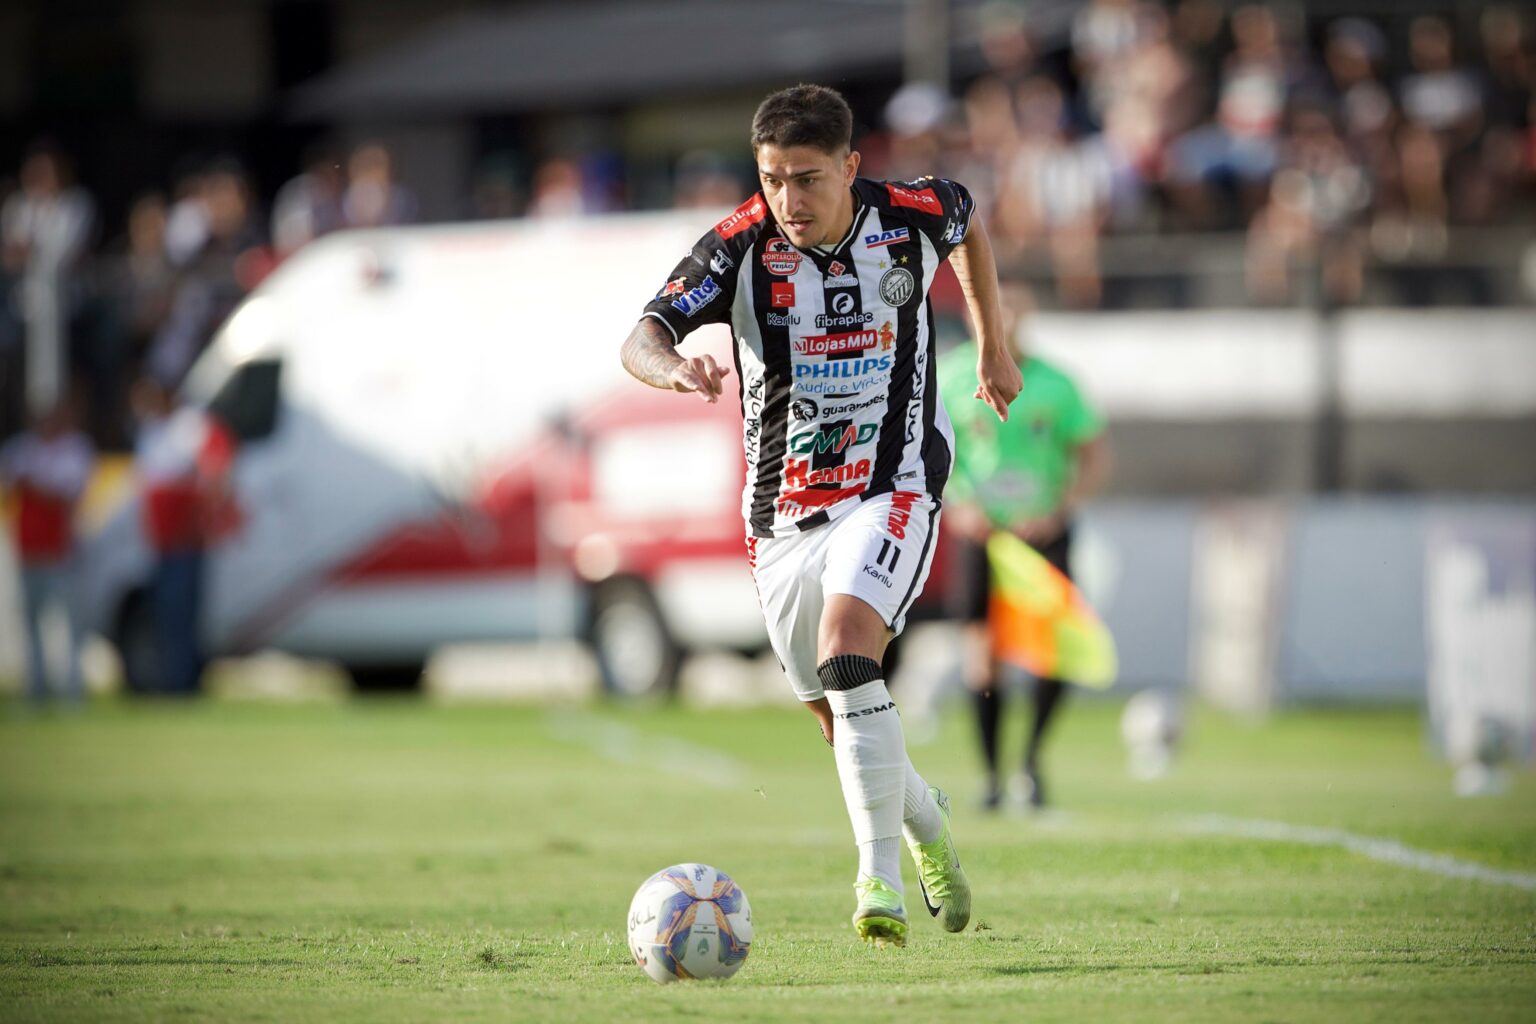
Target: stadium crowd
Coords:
[[1336, 145]]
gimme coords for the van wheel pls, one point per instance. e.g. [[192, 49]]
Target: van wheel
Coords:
[[635, 652], [404, 677], [138, 645]]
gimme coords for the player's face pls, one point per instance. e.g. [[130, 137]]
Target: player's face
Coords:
[[807, 190]]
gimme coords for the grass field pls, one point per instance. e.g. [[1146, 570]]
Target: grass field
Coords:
[[382, 861]]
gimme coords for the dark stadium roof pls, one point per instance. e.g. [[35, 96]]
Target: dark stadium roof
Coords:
[[617, 52]]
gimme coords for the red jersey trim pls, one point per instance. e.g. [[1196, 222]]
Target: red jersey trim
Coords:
[[924, 199], [751, 212]]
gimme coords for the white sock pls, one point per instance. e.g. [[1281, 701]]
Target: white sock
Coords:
[[921, 822], [872, 766], [882, 859]]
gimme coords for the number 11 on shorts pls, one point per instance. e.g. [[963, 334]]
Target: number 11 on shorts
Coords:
[[887, 548]]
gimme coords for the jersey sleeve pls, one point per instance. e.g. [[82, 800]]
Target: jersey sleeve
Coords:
[[702, 288], [940, 208]]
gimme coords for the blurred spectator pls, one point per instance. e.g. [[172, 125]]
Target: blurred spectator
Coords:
[[46, 470], [186, 223], [704, 181], [1438, 94], [1241, 148], [183, 460], [494, 194], [45, 229], [373, 198], [1314, 204], [230, 263], [135, 283], [558, 190], [1059, 190], [309, 205]]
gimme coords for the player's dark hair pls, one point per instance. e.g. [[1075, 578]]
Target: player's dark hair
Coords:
[[804, 115]]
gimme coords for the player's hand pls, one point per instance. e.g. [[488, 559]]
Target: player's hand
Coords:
[[999, 381], [968, 521], [700, 374], [822, 709], [1036, 532]]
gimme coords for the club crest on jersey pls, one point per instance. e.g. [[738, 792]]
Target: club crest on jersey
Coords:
[[885, 238], [897, 286], [707, 291], [781, 258]]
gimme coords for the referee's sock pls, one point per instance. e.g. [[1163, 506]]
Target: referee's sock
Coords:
[[872, 764]]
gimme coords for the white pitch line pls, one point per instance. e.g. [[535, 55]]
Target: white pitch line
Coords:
[[1388, 851], [625, 744]]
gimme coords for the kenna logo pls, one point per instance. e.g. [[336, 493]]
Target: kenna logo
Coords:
[[885, 238]]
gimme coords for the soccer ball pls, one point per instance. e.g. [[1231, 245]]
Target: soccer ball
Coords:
[[689, 921]]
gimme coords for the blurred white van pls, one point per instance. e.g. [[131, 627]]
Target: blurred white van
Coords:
[[439, 445]]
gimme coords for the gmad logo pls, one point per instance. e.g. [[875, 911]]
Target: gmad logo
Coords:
[[697, 299], [836, 440]]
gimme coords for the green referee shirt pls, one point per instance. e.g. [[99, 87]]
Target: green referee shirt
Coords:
[[1020, 469]]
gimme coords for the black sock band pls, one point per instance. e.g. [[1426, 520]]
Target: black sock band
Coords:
[[847, 671]]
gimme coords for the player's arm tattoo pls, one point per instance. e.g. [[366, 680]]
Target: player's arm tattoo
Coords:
[[649, 354]]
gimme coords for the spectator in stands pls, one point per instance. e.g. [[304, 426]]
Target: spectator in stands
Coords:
[[309, 205], [559, 190], [1438, 95], [704, 181], [230, 263], [137, 283], [373, 198], [183, 460], [46, 470], [1241, 148], [1058, 190], [45, 231], [1315, 203]]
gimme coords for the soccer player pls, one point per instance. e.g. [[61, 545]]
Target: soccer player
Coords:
[[824, 277], [1027, 476]]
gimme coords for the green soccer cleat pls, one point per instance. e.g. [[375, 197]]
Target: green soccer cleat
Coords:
[[946, 890], [880, 917]]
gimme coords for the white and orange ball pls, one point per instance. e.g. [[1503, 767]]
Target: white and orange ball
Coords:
[[690, 921]]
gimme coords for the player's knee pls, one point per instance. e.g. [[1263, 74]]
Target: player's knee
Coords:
[[848, 671]]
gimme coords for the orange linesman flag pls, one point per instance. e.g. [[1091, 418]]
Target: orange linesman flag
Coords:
[[1039, 621]]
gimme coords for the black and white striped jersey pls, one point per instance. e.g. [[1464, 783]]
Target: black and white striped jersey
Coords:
[[833, 349]]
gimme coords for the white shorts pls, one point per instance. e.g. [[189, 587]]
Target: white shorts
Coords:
[[879, 553]]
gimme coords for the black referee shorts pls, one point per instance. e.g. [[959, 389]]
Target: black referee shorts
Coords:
[[971, 583]]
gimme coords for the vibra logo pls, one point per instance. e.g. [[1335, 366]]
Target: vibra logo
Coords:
[[836, 344], [835, 440]]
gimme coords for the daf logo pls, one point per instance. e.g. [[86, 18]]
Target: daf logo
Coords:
[[842, 302]]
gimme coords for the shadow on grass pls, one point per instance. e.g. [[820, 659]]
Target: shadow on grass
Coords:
[[1015, 970]]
